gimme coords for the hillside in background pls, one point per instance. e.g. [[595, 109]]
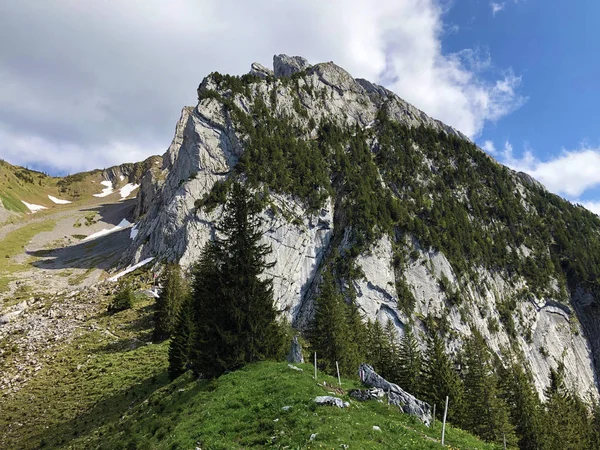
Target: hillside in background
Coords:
[[20, 187]]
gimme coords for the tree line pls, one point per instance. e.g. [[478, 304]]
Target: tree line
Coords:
[[224, 317]]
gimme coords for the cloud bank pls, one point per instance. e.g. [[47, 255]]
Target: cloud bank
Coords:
[[571, 174], [90, 84]]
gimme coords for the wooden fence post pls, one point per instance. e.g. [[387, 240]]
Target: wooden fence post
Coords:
[[444, 423]]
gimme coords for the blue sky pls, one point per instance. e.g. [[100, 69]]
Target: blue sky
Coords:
[[103, 82], [554, 46]]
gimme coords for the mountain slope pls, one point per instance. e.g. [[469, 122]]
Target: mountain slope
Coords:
[[419, 224], [20, 186]]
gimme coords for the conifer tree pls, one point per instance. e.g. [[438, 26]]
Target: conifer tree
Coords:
[[329, 333], [169, 302], [440, 379], [357, 337], [391, 368], [234, 315], [409, 362], [377, 350], [568, 423], [524, 405], [180, 345], [486, 413]]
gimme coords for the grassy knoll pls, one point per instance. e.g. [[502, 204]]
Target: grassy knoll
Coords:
[[109, 389]]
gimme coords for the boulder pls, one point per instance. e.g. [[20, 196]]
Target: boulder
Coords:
[[295, 354], [260, 71], [332, 401], [368, 394], [396, 395]]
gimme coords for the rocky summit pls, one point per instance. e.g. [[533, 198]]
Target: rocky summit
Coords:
[[422, 226]]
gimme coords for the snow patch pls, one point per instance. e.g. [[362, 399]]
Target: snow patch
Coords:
[[33, 208], [134, 232], [122, 225], [108, 189], [131, 269], [58, 201], [128, 189], [121, 177]]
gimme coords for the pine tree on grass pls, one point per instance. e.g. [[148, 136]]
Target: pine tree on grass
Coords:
[[329, 333], [440, 379], [568, 424], [166, 308], [524, 405], [234, 315], [180, 345]]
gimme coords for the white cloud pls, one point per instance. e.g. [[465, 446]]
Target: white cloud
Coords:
[[489, 147], [104, 82], [592, 206], [571, 173], [497, 7]]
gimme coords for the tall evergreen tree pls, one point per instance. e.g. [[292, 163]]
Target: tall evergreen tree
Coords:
[[486, 412], [567, 421], [377, 347], [234, 315], [524, 405], [392, 354], [440, 379], [181, 343], [329, 334], [357, 336], [169, 302], [409, 363]]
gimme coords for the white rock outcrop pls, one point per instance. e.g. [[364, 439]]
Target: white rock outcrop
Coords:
[[207, 146]]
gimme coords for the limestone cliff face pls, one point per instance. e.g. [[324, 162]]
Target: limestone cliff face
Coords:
[[206, 148]]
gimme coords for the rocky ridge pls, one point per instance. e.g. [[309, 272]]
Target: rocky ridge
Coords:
[[205, 150]]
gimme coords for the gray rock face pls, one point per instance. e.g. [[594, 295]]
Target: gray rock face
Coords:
[[286, 66], [367, 394], [396, 395], [331, 401], [206, 147], [295, 354], [260, 71]]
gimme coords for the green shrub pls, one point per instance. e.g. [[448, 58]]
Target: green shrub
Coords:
[[123, 299]]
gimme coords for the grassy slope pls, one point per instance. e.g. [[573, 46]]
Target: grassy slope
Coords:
[[244, 410], [13, 244], [109, 389], [18, 183], [90, 382]]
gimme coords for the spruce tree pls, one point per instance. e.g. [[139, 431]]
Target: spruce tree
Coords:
[[486, 413], [440, 379], [409, 363], [524, 405], [357, 337], [568, 423], [329, 333], [181, 343], [169, 302], [234, 315], [377, 348], [391, 367]]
